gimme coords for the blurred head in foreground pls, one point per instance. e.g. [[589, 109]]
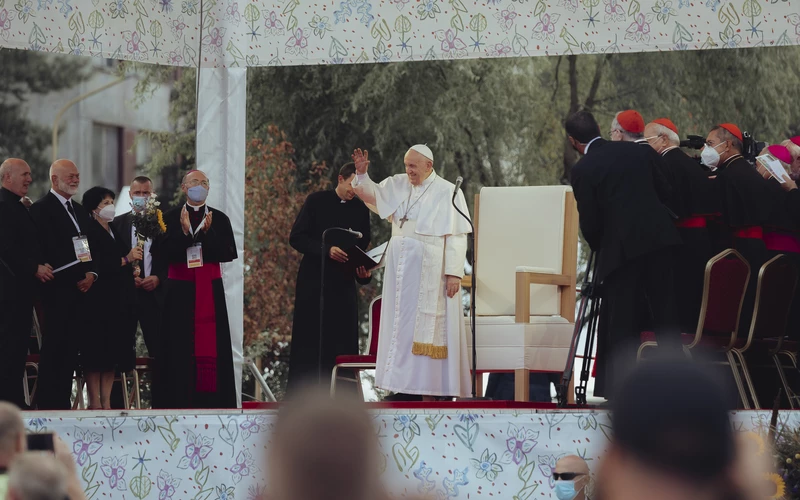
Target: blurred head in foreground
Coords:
[[672, 436], [37, 475], [323, 449]]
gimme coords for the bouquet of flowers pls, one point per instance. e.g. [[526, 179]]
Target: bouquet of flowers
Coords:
[[149, 224]]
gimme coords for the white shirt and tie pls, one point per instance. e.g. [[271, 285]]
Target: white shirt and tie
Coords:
[[67, 204]]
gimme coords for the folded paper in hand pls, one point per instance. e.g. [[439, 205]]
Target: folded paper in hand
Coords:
[[773, 166]]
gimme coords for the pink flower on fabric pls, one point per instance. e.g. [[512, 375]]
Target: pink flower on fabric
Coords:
[[86, 443], [545, 29], [197, 449], [639, 30], [452, 46]]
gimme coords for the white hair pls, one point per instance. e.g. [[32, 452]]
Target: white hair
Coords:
[[628, 136], [672, 137], [37, 476]]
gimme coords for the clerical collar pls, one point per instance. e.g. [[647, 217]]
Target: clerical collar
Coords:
[[60, 198], [196, 208], [730, 160], [668, 150]]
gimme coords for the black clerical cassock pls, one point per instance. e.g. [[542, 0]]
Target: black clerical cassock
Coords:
[[746, 206], [321, 211], [697, 204], [197, 357]]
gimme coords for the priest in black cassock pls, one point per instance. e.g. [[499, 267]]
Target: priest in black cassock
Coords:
[[323, 210], [198, 360], [746, 204], [694, 203]]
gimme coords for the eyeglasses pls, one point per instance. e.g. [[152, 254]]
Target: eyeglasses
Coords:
[[196, 182], [566, 476]]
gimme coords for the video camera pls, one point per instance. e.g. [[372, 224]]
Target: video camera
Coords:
[[750, 147], [693, 142]]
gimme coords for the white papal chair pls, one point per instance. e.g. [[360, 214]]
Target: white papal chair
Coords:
[[526, 257]]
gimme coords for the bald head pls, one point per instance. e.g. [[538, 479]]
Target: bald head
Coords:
[[64, 178], [15, 175], [195, 186], [418, 168], [574, 465], [12, 433]]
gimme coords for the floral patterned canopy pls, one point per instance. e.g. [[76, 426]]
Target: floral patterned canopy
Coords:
[[297, 32]]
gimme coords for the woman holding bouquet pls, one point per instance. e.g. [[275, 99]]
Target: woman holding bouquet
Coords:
[[107, 344]]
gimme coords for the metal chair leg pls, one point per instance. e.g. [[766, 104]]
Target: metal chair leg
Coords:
[[137, 394], [747, 378], [333, 380], [738, 380], [790, 395]]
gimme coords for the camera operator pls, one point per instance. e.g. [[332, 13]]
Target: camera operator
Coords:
[[746, 204], [695, 205]]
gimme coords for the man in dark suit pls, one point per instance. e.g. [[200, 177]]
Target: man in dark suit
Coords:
[[62, 224], [152, 275], [21, 268], [625, 222]]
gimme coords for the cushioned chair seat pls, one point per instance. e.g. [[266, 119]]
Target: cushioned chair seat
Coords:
[[356, 359], [709, 341]]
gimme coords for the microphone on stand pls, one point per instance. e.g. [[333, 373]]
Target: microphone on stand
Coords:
[[459, 182]]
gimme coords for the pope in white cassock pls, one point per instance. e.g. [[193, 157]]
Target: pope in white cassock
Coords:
[[422, 344]]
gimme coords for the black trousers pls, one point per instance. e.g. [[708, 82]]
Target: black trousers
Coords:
[[649, 277], [16, 321], [148, 312], [64, 307]]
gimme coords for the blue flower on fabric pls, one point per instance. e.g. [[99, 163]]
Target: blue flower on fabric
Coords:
[[407, 426], [487, 466], [428, 9], [224, 492]]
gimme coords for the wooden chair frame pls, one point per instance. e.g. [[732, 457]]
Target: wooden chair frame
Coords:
[[356, 367], [566, 282]]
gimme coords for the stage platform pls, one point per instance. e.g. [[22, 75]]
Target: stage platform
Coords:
[[469, 451]]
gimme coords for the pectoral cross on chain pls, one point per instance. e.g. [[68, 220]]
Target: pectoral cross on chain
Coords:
[[403, 220]]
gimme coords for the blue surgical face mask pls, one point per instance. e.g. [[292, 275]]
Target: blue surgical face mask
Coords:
[[139, 202], [197, 194], [565, 490]]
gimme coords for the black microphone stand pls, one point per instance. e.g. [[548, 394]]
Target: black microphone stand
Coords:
[[322, 295], [471, 298]]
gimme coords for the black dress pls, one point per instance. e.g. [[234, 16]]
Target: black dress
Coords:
[[108, 344], [321, 211]]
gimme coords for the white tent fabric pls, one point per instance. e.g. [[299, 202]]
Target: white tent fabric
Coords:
[[286, 32], [221, 155]]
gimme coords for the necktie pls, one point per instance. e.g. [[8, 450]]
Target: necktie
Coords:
[[71, 210]]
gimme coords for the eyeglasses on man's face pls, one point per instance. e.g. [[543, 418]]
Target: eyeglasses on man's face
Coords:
[[197, 182]]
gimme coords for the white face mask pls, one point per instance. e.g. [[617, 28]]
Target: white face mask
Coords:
[[710, 156], [107, 213]]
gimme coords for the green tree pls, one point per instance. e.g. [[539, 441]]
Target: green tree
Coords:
[[27, 74]]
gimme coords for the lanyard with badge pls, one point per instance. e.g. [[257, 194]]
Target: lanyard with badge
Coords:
[[80, 243], [194, 254]]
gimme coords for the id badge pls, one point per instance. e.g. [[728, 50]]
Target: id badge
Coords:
[[194, 256], [82, 252]]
